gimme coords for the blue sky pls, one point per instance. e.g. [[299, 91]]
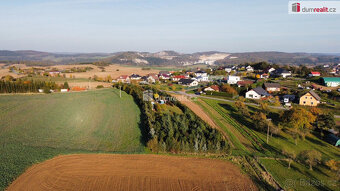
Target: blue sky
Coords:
[[155, 25]]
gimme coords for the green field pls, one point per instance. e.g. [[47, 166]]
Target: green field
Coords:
[[34, 128], [299, 174]]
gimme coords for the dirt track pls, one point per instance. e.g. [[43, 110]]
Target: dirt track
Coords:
[[132, 172], [196, 109]]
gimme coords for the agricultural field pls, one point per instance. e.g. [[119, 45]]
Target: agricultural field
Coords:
[[239, 129], [37, 127], [145, 172]]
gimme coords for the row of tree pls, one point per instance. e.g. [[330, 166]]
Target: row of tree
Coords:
[[175, 132], [20, 86]]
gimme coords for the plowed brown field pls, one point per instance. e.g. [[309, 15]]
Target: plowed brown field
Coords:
[[132, 172]]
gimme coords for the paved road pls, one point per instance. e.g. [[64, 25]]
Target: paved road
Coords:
[[220, 99]]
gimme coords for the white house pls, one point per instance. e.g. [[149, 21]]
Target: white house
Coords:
[[202, 78], [282, 73], [250, 69], [270, 70], [188, 82], [228, 70], [209, 89], [135, 77], [201, 73], [233, 79], [257, 93]]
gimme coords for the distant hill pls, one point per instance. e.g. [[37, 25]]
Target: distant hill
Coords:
[[166, 58], [282, 58]]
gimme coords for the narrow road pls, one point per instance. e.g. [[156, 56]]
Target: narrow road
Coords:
[[219, 99]]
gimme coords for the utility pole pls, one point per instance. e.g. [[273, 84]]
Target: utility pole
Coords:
[[120, 91], [268, 120]]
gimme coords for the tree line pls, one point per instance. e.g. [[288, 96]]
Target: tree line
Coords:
[[21, 86], [174, 132]]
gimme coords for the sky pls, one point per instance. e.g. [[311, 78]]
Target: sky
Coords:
[[154, 25]]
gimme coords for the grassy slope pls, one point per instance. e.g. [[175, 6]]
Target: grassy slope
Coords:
[[37, 127], [279, 168]]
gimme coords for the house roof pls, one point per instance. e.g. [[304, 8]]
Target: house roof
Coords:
[[245, 82], [179, 76], [261, 91], [316, 96], [154, 76], [215, 87], [135, 76], [272, 85], [315, 73], [281, 71], [331, 79], [123, 77], [200, 72], [291, 97], [186, 81], [165, 75]]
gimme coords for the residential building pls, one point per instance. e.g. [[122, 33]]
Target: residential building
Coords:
[[152, 78], [310, 99], [257, 93], [314, 74], [213, 88], [244, 83], [164, 76], [233, 79], [271, 70], [282, 73], [262, 75], [135, 77], [177, 78], [228, 70], [188, 82], [123, 79], [331, 81], [250, 69], [272, 87], [202, 78], [288, 98], [201, 73]]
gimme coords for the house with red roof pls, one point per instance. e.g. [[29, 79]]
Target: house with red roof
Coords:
[[123, 78], [314, 74], [213, 88], [177, 78]]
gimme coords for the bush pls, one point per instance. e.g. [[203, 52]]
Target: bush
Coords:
[[100, 86]]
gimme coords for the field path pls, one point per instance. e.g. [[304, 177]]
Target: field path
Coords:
[[132, 172], [196, 109]]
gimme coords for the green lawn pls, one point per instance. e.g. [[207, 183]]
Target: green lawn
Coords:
[[34, 128], [298, 177]]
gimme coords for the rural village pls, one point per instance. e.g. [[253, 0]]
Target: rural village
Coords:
[[270, 113]]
